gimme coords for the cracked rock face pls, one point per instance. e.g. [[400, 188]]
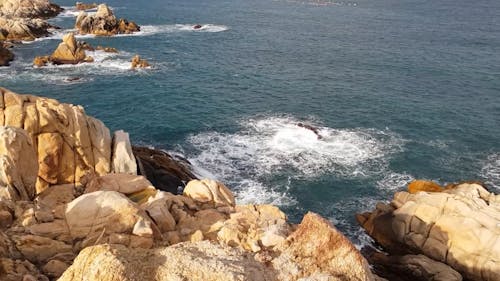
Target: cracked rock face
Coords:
[[103, 23], [69, 143], [29, 8], [458, 226]]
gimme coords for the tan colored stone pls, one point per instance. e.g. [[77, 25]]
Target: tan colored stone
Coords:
[[137, 62], [123, 157], [209, 192], [201, 261], [38, 249], [68, 52], [55, 268], [123, 183], [317, 248], [18, 164]]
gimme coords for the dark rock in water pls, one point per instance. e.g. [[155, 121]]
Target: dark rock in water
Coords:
[[6, 56], [311, 128], [198, 26], [164, 171]]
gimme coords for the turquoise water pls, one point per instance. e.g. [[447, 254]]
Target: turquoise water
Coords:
[[398, 89]]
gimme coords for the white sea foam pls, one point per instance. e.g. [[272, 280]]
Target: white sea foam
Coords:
[[394, 181], [173, 28], [491, 171], [269, 146]]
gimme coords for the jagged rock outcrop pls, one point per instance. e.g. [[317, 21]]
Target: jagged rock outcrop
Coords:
[[457, 226], [123, 157], [29, 8], [166, 172], [68, 52], [317, 250], [80, 6], [137, 62], [69, 143], [200, 261], [104, 23], [26, 29], [6, 56], [18, 165], [209, 192]]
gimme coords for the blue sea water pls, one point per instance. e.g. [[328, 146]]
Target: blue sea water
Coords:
[[398, 90]]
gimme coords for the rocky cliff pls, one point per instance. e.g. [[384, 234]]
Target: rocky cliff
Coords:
[[73, 207]]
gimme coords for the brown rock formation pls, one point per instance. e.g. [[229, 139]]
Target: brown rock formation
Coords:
[[164, 171], [137, 62], [69, 52], [458, 226], [69, 143], [104, 23], [23, 28], [29, 8], [18, 165], [6, 56], [85, 6]]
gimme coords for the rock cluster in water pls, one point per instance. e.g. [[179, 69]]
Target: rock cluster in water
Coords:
[[73, 207], [24, 19], [68, 52], [104, 23]]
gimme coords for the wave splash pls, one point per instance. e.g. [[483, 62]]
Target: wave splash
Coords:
[[491, 171], [276, 146]]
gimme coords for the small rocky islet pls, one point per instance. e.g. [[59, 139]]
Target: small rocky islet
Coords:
[[80, 203]]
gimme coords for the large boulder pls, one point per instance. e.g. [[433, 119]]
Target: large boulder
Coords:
[[317, 250], [103, 23], [166, 172], [458, 226], [200, 261], [108, 217], [124, 183], [69, 51], [69, 143], [29, 8], [123, 157], [18, 164], [210, 192]]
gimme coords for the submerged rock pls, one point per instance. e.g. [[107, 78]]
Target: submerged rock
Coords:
[[137, 62], [458, 226], [104, 23]]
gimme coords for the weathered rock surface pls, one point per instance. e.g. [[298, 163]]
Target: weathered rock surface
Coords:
[[458, 226], [68, 52], [137, 62], [123, 157], [317, 250], [124, 183], [69, 143], [29, 8], [23, 28], [412, 268], [18, 165], [209, 192], [6, 56], [164, 171], [85, 6], [103, 23], [201, 261]]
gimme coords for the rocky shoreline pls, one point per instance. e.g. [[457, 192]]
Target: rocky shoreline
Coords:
[[80, 203]]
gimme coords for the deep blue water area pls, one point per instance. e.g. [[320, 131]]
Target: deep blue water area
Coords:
[[397, 89]]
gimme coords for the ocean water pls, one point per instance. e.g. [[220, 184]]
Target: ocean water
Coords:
[[397, 89]]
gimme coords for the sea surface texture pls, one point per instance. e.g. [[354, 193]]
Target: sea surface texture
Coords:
[[397, 89]]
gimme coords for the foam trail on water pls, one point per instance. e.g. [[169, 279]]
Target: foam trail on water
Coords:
[[491, 171], [271, 146], [394, 181]]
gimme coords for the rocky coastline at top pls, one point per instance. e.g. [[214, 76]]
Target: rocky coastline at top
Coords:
[[25, 20]]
